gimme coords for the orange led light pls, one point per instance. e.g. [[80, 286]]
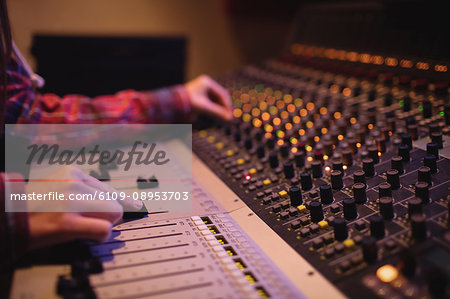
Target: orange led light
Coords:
[[276, 121], [309, 159], [344, 167], [284, 114], [353, 120], [294, 150], [347, 92], [280, 142], [301, 132], [294, 140], [303, 112], [337, 115], [323, 110], [310, 106], [290, 108], [316, 138], [288, 126], [387, 273], [265, 116], [379, 154], [370, 126], [237, 112], [327, 168], [296, 119], [268, 135], [358, 145], [324, 130], [309, 124], [340, 137], [325, 157]]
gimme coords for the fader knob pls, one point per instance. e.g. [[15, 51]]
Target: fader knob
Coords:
[[421, 191], [340, 229], [288, 168], [427, 109], [373, 153], [237, 136], [397, 163], [299, 159], [326, 194], [350, 211], [384, 189], [432, 149], [336, 180], [377, 226], [248, 143], [369, 249], [316, 211], [273, 160], [387, 208], [431, 162], [271, 143], [406, 104], [260, 151], [316, 167], [415, 206], [393, 178], [359, 176], [284, 150], [359, 193], [403, 151], [436, 137], [419, 226], [368, 167], [306, 181], [337, 165], [424, 174], [296, 196]]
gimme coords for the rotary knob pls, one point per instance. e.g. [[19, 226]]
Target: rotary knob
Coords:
[[316, 211], [359, 193], [350, 211], [326, 194], [377, 226], [336, 180], [387, 208], [296, 196], [340, 229], [306, 181]]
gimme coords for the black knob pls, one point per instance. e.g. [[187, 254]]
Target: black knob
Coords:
[[273, 160], [350, 211], [306, 181], [424, 174], [299, 159], [431, 162], [271, 143], [288, 168], [397, 163], [388, 99], [376, 226], [336, 180], [368, 167], [237, 136], [427, 109], [387, 208], [337, 165], [393, 178], [373, 154], [415, 206], [340, 229], [369, 249], [421, 191], [407, 140], [316, 167], [406, 104], [432, 149], [347, 157], [359, 176], [260, 151], [296, 196], [326, 194], [403, 151], [407, 263], [413, 131], [248, 143], [436, 137], [418, 226], [316, 212], [359, 193], [284, 150], [384, 189]]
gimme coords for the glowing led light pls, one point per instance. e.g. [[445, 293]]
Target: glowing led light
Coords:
[[324, 130], [441, 113], [245, 98], [296, 119], [325, 157], [405, 63], [288, 126], [309, 159], [273, 110], [337, 115], [265, 116], [387, 273], [284, 114], [316, 138], [256, 112], [290, 108], [257, 122], [309, 124], [280, 142], [327, 168], [420, 108], [401, 103], [246, 117], [278, 94], [276, 121], [370, 126], [293, 140], [347, 92], [268, 135], [247, 177], [358, 145], [268, 128], [298, 102], [303, 112], [280, 105], [344, 167], [287, 98], [247, 107], [353, 120], [334, 88], [308, 149], [301, 132], [237, 112], [280, 134], [340, 137], [294, 150], [323, 110], [310, 106]]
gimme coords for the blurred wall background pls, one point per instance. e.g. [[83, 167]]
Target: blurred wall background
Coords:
[[222, 34]]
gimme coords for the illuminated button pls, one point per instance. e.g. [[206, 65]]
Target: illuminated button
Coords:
[[349, 243], [211, 139], [202, 133], [323, 224], [301, 208], [252, 171], [266, 182], [387, 273], [219, 145], [282, 193], [240, 161], [230, 153]]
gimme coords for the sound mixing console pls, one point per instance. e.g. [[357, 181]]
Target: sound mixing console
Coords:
[[332, 179]]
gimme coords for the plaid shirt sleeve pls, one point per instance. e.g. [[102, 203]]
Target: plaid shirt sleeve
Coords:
[[24, 105]]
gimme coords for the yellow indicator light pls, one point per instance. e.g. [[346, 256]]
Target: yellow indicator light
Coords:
[[219, 145], [294, 140], [239, 265], [327, 168], [387, 273], [309, 158], [298, 102], [294, 149], [358, 145], [301, 208], [203, 133], [324, 130], [211, 139], [252, 171], [237, 113], [287, 98], [379, 154], [308, 149], [349, 243], [221, 242], [230, 153], [246, 117], [309, 124], [240, 161], [230, 253], [276, 121], [266, 182], [325, 157], [282, 193], [250, 278], [340, 137], [323, 224], [268, 128], [344, 167], [280, 142], [265, 116]]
